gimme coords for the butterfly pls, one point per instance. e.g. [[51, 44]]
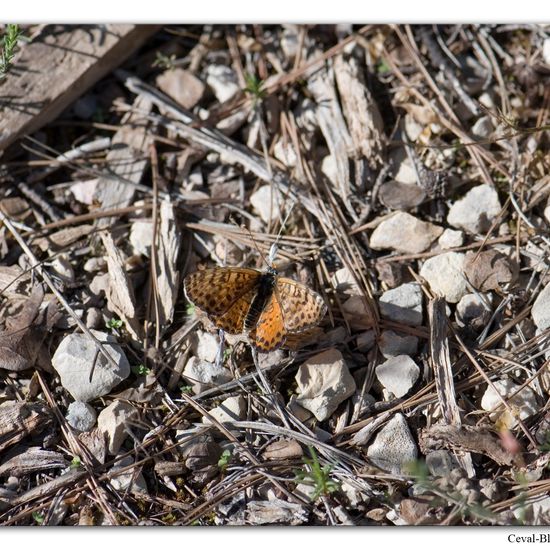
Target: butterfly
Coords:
[[266, 307]]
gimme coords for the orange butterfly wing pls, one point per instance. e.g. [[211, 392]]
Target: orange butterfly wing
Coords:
[[269, 333], [224, 293]]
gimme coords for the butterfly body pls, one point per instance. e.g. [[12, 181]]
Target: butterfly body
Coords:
[[260, 304]]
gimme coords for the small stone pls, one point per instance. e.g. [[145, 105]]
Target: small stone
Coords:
[[416, 511], [394, 447], [472, 311], [404, 233], [303, 415], [324, 381], [476, 211], [546, 51], [75, 357], [392, 344], [357, 314], [440, 463], [344, 283], [181, 85], [204, 375], [81, 416], [233, 408], [131, 479], [365, 341], [541, 309], [483, 127], [63, 269], [141, 237], [398, 375], [403, 168], [266, 203], [403, 304], [95, 264], [223, 81], [523, 404], [445, 276], [198, 451], [94, 318], [401, 196], [85, 191], [284, 151], [451, 238], [116, 421], [205, 346]]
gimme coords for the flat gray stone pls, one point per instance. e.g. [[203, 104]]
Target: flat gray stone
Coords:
[[75, 357], [445, 275], [404, 233], [541, 309], [203, 375], [81, 416], [402, 304], [398, 375], [393, 344], [476, 211], [115, 422], [233, 408], [324, 381], [394, 447]]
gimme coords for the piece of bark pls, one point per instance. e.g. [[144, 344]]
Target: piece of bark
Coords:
[[127, 160], [464, 438], [63, 238], [32, 459], [17, 420], [120, 295], [57, 67], [367, 130]]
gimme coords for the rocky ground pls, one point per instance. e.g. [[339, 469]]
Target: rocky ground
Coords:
[[402, 172]]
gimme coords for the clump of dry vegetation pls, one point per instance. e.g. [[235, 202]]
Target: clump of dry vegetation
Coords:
[[402, 172]]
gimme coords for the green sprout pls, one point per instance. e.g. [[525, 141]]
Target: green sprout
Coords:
[[140, 370], [223, 462], [163, 61], [317, 476], [190, 309], [188, 390], [9, 46], [75, 463], [38, 517], [114, 323], [254, 87]]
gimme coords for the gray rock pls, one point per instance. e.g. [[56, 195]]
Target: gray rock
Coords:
[[392, 344], [541, 309], [403, 304], [205, 346], [404, 233], [74, 359], [445, 275], [324, 381], [365, 340], [473, 311], [233, 408], [524, 403], [266, 203], [131, 479], [398, 374], [181, 85], [141, 237], [94, 318], [440, 463], [483, 127], [204, 375], [476, 211], [451, 238], [115, 422], [223, 81], [394, 447], [81, 416]]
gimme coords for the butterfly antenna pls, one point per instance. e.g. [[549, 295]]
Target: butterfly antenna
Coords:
[[274, 247]]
